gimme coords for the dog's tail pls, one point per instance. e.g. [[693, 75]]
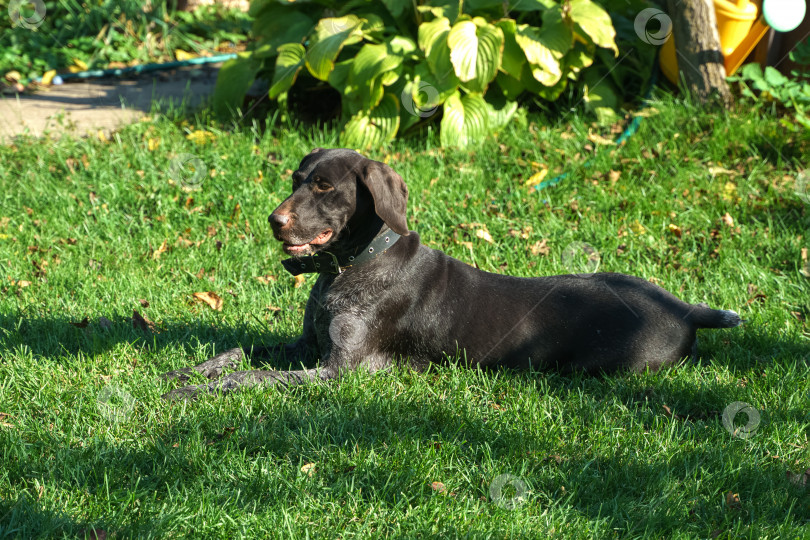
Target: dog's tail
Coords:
[[705, 317]]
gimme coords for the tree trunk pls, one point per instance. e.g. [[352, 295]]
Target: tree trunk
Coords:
[[697, 46]]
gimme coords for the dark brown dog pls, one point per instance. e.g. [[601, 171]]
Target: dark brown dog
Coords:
[[383, 297]]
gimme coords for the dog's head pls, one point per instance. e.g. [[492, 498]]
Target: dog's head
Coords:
[[338, 197]]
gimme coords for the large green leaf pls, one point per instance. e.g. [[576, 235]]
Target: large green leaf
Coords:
[[578, 58], [465, 120], [545, 47], [277, 25], [433, 41], [234, 78], [475, 51], [331, 34], [601, 97], [511, 87], [374, 67], [289, 62], [513, 57], [595, 22], [368, 129], [442, 8], [395, 7]]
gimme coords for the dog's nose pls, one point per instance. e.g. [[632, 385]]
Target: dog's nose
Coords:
[[278, 220]]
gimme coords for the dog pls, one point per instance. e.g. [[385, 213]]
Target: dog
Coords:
[[381, 297]]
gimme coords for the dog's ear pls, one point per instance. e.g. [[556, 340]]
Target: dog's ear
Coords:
[[390, 194]]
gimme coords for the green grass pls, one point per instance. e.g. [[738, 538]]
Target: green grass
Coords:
[[643, 456]]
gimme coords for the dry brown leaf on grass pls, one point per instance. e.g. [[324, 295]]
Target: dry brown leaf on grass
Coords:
[[93, 534], [299, 281], [535, 179], [308, 469], [598, 139], [82, 324], [728, 220], [161, 250], [799, 479], [540, 248], [733, 500], [265, 280], [483, 234], [714, 171], [805, 269], [674, 229], [142, 323], [3, 417], [210, 298]]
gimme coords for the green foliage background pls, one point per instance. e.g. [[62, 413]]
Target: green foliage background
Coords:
[[395, 64]]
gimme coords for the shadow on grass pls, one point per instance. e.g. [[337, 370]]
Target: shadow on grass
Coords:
[[249, 460], [633, 491]]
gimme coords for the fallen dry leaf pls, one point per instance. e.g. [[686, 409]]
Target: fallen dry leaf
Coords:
[[144, 302], [300, 280], [142, 323], [535, 179], [161, 250], [733, 500], [598, 139], [728, 220], [714, 171], [637, 227], [674, 229], [805, 269], [93, 534], [540, 248], [210, 298], [613, 176], [265, 280], [483, 234], [799, 479], [438, 486], [308, 469], [81, 324]]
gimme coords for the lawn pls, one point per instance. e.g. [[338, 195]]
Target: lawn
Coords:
[[710, 206]]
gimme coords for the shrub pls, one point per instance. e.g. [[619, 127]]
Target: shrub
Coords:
[[396, 64]]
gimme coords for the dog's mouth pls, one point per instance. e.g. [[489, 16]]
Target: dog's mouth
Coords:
[[308, 247]]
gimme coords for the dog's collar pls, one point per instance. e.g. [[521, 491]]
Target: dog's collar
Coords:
[[329, 263]]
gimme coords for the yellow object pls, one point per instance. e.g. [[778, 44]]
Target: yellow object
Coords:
[[739, 31]]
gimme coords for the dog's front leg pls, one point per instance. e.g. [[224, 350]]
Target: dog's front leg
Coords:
[[243, 379]]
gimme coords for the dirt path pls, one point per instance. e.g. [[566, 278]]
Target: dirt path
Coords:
[[82, 108]]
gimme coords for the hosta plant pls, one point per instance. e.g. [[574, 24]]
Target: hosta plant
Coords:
[[398, 64]]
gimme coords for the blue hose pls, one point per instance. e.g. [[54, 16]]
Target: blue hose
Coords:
[[629, 131], [145, 68]]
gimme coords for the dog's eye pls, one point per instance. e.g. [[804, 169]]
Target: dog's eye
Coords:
[[322, 185]]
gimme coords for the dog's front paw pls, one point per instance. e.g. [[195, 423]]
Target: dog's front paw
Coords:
[[210, 369], [185, 392]]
